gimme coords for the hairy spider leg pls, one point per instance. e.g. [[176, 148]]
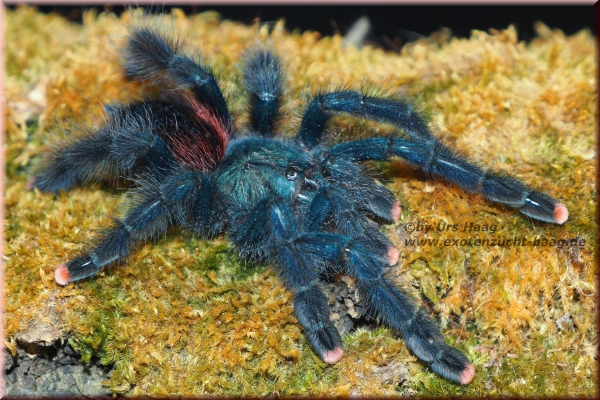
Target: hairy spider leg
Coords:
[[269, 229], [335, 205], [365, 193], [321, 108], [158, 205], [148, 56], [424, 151], [392, 306], [434, 158], [396, 310], [263, 79], [123, 142]]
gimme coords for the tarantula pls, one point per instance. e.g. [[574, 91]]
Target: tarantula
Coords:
[[307, 208]]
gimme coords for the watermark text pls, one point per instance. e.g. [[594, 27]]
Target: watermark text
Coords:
[[493, 241]]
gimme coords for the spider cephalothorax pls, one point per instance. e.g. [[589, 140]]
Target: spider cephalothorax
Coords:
[[305, 207]]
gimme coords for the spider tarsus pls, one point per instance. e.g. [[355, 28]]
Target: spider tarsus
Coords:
[[561, 213], [333, 356], [61, 275], [544, 208], [392, 255], [263, 79], [467, 375], [30, 184], [396, 211], [453, 365]]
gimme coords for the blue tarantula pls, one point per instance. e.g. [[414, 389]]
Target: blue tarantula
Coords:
[[307, 208]]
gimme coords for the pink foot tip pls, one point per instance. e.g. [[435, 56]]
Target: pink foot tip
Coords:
[[61, 275], [392, 255], [333, 356], [467, 375], [30, 183], [561, 214], [396, 211]]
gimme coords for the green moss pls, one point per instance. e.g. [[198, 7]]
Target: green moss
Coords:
[[92, 345]]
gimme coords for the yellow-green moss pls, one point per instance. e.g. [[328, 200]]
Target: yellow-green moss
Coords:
[[184, 316]]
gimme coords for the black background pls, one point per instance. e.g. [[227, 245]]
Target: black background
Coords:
[[392, 25]]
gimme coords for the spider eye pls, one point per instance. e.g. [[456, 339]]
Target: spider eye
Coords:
[[291, 174]]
